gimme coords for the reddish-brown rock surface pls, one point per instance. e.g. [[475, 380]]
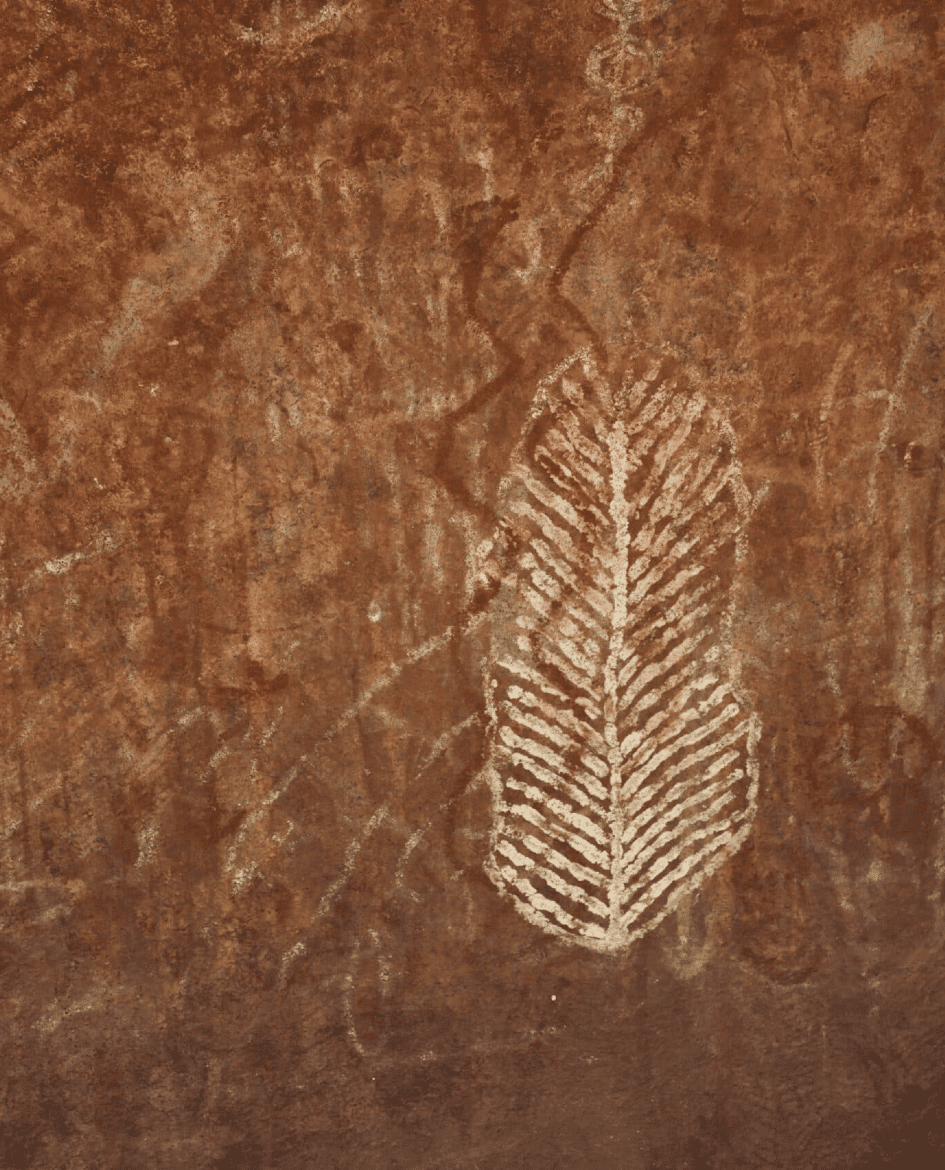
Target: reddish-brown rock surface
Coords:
[[280, 283]]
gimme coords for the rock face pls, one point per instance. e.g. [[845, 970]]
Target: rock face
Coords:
[[286, 291]]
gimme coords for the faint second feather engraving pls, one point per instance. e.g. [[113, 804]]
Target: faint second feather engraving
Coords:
[[622, 759]]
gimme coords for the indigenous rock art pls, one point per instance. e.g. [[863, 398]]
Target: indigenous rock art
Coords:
[[358, 356], [623, 762]]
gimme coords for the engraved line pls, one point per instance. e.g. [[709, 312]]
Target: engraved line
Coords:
[[546, 851], [674, 707], [582, 683], [567, 814], [586, 595], [544, 755], [658, 833], [567, 721], [556, 784], [528, 674], [559, 830], [538, 901], [562, 737], [652, 892], [643, 680], [636, 799], [642, 771], [672, 733], [559, 884], [674, 710], [550, 593]]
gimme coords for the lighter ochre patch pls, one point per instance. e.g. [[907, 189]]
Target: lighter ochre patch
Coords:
[[873, 44], [55, 1014], [863, 48]]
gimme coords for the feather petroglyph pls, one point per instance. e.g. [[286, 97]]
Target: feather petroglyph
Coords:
[[623, 752]]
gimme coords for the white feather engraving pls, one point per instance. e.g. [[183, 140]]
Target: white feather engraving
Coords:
[[622, 762]]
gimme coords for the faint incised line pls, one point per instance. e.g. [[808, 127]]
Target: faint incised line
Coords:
[[830, 391], [356, 845], [623, 772], [480, 1048], [894, 401], [242, 875], [348, 1010], [301, 34], [439, 748], [105, 542], [186, 266], [334, 890], [11, 826]]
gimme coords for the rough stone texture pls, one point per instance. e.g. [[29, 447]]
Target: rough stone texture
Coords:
[[279, 283]]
